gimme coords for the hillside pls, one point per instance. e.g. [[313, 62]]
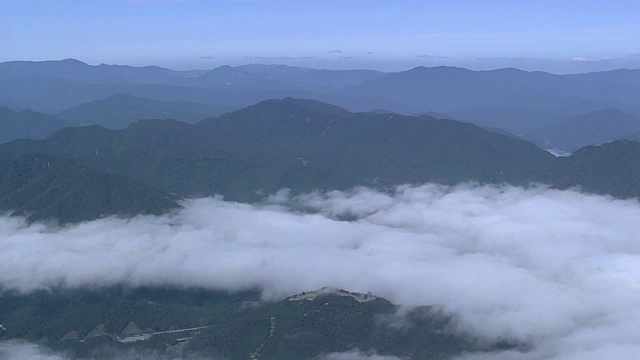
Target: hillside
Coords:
[[120, 110], [43, 187], [593, 128], [516, 121], [306, 145], [378, 149], [236, 326], [298, 144], [28, 125], [612, 168]]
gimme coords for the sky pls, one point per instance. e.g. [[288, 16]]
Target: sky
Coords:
[[557, 36]]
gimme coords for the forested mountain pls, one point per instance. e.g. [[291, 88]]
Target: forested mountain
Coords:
[[120, 110], [197, 323], [43, 187], [612, 168], [307, 145], [27, 124], [376, 148], [298, 144]]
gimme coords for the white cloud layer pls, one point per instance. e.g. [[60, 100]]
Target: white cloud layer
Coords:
[[557, 269], [355, 355], [25, 351], [18, 350]]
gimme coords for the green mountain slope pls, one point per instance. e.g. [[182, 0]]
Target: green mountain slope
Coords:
[[186, 323], [28, 125], [306, 145], [43, 187], [612, 168], [299, 144], [375, 148]]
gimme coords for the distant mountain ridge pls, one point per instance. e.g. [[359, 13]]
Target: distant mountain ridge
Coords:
[[299, 144], [585, 129], [120, 110], [611, 169], [446, 89], [75, 70], [38, 85], [27, 124]]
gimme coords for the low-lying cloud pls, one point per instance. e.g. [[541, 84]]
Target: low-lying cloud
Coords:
[[25, 351], [559, 270], [355, 355], [18, 350]]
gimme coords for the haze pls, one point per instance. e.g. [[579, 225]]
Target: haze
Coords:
[[383, 35]]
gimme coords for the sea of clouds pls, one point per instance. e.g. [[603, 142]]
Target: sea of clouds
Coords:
[[559, 270]]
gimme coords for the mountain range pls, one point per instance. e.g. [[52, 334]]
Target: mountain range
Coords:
[[306, 145], [581, 130], [120, 110], [27, 124], [53, 86]]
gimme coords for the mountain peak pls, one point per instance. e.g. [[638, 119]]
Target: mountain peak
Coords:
[[306, 104], [72, 61], [438, 69], [313, 295]]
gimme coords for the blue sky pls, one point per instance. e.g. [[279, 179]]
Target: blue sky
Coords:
[[557, 36]]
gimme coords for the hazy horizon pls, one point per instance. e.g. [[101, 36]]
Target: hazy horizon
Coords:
[[380, 35], [321, 67]]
